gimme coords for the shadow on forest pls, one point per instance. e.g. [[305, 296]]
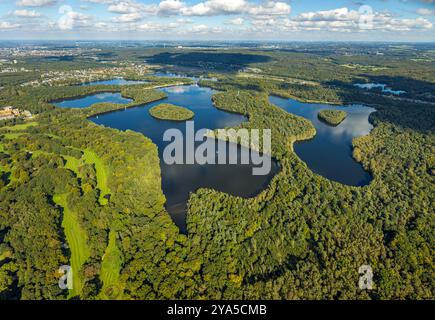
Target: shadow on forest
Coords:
[[208, 60], [414, 88], [397, 110], [289, 264]]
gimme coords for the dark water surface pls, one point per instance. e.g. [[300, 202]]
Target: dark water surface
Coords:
[[84, 102], [329, 153], [179, 180]]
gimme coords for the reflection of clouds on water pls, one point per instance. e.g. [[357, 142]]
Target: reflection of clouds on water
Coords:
[[185, 89], [236, 179], [89, 100], [231, 121], [356, 124], [384, 88], [177, 90], [102, 96], [329, 153], [116, 81], [179, 180]]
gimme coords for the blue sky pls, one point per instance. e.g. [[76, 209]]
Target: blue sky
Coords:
[[376, 20]]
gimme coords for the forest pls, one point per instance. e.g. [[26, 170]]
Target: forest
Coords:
[[73, 192], [332, 117], [167, 111]]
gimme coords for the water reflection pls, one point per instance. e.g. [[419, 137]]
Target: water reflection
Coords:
[[87, 101], [179, 180], [115, 81], [329, 153], [382, 86]]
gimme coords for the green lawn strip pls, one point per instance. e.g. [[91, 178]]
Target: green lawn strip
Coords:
[[11, 136], [20, 127], [111, 269], [92, 157], [76, 238], [5, 254], [72, 164]]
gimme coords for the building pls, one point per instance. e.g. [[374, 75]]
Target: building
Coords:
[[10, 112]]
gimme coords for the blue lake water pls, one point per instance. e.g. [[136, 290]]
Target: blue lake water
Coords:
[[116, 82], [179, 180], [172, 75], [381, 86], [87, 101], [176, 75], [329, 153]]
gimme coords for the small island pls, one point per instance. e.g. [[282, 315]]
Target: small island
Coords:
[[332, 117], [166, 111]]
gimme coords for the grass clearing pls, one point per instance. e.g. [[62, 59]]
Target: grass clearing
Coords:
[[11, 136], [92, 158], [21, 127], [72, 164], [5, 255], [76, 238], [111, 269]]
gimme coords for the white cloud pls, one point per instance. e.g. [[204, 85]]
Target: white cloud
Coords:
[[101, 1], [128, 17], [149, 27], [215, 7], [426, 12], [26, 13], [170, 7], [262, 17], [270, 8], [200, 28], [225, 7], [36, 3], [341, 14], [345, 20], [123, 8], [5, 25], [237, 21], [71, 19]]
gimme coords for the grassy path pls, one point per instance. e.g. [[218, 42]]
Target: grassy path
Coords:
[[76, 238], [112, 259], [110, 270], [91, 157]]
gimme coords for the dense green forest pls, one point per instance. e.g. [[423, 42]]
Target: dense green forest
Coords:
[[332, 117], [73, 192], [167, 111]]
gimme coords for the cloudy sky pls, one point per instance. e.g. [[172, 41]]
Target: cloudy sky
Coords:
[[375, 20]]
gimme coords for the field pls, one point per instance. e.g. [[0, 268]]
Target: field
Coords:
[[76, 241], [111, 269], [92, 158]]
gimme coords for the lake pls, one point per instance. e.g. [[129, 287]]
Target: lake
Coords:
[[115, 81], [179, 180], [329, 153], [87, 101], [382, 86]]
